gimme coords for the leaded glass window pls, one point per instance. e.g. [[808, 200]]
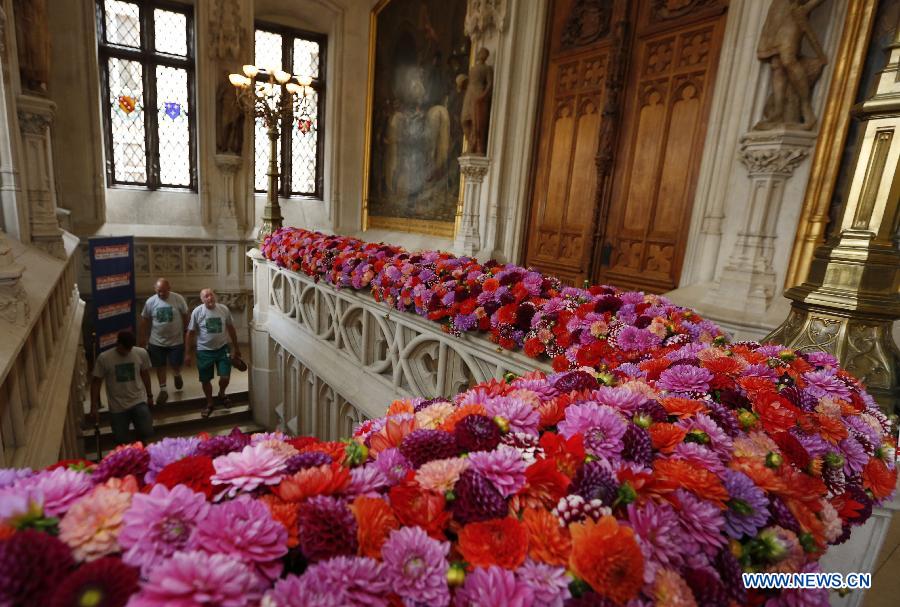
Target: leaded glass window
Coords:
[[147, 75], [300, 143]]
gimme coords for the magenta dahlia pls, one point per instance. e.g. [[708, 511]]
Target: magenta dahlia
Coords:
[[549, 584], [31, 564], [107, 581], [494, 586], [327, 528], [684, 378], [60, 487], [416, 566], [503, 467], [423, 446], [119, 464]]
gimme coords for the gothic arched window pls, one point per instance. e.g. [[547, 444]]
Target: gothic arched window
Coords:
[[301, 142], [146, 51]]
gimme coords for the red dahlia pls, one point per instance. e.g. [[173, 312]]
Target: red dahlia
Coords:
[[194, 471]]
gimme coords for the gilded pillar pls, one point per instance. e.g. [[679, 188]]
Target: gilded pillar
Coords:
[[852, 296]]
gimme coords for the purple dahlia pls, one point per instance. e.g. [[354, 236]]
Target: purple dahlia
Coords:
[[747, 506], [477, 499], [119, 464]]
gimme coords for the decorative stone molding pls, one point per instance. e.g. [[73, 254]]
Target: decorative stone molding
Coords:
[[35, 123], [748, 280], [485, 16], [225, 30], [368, 354], [228, 216], [14, 307]]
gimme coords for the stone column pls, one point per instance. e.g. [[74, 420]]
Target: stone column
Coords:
[[852, 297], [468, 234], [35, 116], [748, 280], [227, 221]]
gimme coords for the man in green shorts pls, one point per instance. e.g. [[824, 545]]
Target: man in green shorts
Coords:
[[212, 327]]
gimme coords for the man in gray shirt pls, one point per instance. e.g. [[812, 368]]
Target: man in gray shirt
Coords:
[[124, 368], [164, 318], [210, 321]]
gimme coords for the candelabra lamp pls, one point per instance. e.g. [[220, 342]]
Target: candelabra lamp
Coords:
[[276, 98], [851, 298]]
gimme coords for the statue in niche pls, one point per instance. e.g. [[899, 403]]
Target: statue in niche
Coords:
[[477, 89], [33, 42], [789, 104], [229, 119]]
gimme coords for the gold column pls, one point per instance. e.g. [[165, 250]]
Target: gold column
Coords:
[[848, 67], [852, 296]]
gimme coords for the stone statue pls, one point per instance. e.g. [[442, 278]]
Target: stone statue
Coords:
[[478, 89], [793, 75], [229, 119], [33, 41]]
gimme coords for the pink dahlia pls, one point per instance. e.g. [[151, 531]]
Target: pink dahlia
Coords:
[[10, 476], [549, 584], [197, 578], [252, 467], [600, 424], [60, 487], [416, 566], [494, 586], [520, 415], [701, 521], [342, 580], [441, 474], [160, 523], [504, 467], [91, 526], [661, 539], [684, 378], [619, 398], [243, 528]]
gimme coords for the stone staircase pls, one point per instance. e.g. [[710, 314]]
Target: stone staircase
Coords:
[[179, 418]]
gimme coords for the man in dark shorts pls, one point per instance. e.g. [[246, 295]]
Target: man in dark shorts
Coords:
[[163, 321], [123, 369], [212, 327]]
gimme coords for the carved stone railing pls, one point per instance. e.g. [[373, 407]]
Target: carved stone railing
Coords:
[[42, 363], [325, 358]]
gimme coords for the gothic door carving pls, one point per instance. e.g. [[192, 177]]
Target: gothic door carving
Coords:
[[622, 130]]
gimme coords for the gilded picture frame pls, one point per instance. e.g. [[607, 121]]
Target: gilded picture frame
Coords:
[[411, 176]]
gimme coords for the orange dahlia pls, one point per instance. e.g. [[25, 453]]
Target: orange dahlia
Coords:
[[878, 478], [401, 406], [682, 407], [674, 473], [318, 480], [502, 542], [832, 429], [391, 435], [414, 505], [335, 449], [375, 521], [544, 486], [547, 541], [665, 437], [606, 556], [285, 513]]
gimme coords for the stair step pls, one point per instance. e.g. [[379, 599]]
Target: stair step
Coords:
[[178, 407]]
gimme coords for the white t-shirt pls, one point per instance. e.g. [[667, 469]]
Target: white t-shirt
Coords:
[[122, 376], [210, 326], [166, 324]]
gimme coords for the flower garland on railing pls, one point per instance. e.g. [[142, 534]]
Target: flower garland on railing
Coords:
[[658, 483], [520, 308]]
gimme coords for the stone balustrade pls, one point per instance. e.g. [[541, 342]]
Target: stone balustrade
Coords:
[[42, 363], [325, 358]]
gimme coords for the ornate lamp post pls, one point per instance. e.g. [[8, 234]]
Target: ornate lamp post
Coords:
[[275, 100]]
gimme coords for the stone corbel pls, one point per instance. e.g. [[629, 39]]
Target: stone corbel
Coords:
[[13, 301], [484, 17]]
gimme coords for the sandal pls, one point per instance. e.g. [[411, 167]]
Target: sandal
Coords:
[[224, 401], [207, 410]]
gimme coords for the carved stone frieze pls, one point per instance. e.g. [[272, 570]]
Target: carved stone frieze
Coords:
[[484, 16], [200, 259], [663, 10], [588, 22], [226, 31], [782, 161]]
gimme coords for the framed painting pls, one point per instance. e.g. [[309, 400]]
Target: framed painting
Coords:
[[411, 181]]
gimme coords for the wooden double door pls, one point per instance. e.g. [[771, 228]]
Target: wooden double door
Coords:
[[626, 97]]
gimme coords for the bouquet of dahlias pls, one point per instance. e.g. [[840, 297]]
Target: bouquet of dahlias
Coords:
[[657, 482]]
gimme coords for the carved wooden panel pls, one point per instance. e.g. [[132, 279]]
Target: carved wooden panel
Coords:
[[670, 82], [651, 117]]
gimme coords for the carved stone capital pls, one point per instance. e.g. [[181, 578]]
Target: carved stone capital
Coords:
[[775, 153], [485, 16], [474, 167], [35, 114], [228, 163]]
